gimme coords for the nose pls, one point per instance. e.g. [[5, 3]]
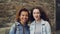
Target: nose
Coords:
[[36, 14], [25, 17]]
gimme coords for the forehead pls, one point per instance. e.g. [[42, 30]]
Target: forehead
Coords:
[[36, 10], [24, 12]]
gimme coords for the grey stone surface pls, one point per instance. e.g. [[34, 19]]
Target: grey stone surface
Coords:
[[8, 9]]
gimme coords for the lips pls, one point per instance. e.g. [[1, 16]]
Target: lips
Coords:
[[36, 16], [25, 19]]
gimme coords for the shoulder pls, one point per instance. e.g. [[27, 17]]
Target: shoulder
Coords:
[[45, 22], [14, 24], [32, 23]]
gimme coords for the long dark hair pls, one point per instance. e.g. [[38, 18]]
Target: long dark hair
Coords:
[[42, 12]]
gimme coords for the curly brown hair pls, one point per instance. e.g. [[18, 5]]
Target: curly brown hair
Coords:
[[19, 13]]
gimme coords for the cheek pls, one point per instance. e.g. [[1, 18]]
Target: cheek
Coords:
[[20, 17], [23, 18], [27, 17], [39, 15], [33, 15]]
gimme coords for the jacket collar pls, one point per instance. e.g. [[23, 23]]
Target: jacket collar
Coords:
[[19, 24], [42, 22]]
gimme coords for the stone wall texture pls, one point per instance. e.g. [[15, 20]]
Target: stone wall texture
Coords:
[[8, 9]]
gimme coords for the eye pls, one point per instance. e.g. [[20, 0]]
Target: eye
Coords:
[[33, 12], [26, 15], [38, 13], [22, 15]]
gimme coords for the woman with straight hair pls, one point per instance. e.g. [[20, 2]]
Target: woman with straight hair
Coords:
[[40, 22]]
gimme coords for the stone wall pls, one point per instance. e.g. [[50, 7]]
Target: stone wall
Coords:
[[8, 9]]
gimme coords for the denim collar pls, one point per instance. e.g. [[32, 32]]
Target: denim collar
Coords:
[[19, 24], [42, 22]]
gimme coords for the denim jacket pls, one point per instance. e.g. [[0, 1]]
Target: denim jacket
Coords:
[[17, 28], [45, 27]]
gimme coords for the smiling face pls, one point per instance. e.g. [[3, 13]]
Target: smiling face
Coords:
[[36, 14], [23, 16]]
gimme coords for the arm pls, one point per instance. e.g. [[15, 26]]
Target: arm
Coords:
[[12, 29], [48, 28]]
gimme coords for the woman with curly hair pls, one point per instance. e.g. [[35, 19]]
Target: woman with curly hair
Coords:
[[40, 24], [20, 26]]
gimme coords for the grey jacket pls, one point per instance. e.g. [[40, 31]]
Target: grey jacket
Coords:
[[45, 27]]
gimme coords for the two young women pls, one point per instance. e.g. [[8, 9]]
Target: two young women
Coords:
[[40, 24]]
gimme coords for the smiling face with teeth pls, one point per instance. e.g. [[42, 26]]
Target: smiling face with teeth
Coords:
[[24, 17], [36, 14]]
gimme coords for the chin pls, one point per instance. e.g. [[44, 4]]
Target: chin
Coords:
[[36, 19], [24, 21]]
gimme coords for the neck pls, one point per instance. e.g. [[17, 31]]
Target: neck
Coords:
[[38, 20], [22, 23]]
